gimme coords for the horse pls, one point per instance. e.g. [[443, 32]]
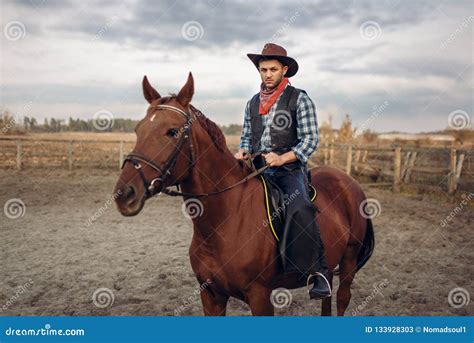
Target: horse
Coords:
[[232, 254]]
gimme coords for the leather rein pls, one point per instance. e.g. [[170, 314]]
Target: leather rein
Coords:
[[164, 171]]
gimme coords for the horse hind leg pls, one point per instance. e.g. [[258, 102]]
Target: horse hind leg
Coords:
[[326, 305], [348, 268]]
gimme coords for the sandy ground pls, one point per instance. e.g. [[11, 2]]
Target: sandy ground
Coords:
[[53, 260]]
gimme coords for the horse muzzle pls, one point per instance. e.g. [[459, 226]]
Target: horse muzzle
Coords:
[[129, 202]]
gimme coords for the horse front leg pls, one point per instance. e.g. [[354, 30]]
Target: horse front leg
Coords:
[[214, 304], [258, 298]]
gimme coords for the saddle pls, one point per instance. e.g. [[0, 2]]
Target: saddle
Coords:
[[275, 205], [275, 198]]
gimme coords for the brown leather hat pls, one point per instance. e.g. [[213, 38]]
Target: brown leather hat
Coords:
[[273, 51]]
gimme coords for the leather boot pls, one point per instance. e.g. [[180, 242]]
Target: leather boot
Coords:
[[321, 288]]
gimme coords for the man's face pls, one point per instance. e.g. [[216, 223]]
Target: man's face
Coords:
[[271, 72]]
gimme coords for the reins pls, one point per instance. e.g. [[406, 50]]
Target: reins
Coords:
[[150, 188]]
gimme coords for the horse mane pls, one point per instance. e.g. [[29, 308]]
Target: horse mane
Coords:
[[212, 129]]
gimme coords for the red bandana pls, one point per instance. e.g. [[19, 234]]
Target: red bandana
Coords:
[[268, 97]]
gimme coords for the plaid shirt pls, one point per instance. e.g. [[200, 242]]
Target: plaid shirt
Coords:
[[307, 128]]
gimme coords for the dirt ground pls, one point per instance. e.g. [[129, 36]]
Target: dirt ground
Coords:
[[54, 261]]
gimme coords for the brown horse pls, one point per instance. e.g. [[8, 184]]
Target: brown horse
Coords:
[[231, 251]]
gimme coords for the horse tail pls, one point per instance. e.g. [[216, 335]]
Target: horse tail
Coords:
[[367, 247]]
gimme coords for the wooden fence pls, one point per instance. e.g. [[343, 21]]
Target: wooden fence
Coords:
[[427, 169]]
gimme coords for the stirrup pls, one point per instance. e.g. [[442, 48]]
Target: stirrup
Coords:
[[317, 273]]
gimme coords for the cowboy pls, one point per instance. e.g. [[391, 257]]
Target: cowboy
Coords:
[[280, 121]]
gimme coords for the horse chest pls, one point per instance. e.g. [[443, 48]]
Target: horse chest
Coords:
[[220, 276]]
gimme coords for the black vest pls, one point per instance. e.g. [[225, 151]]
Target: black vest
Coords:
[[283, 128]]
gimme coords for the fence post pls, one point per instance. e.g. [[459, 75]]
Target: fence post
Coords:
[[357, 159], [120, 154], [364, 157], [452, 173], [19, 154], [458, 171], [70, 155], [396, 170], [405, 166], [331, 154], [326, 153], [411, 164], [349, 160]]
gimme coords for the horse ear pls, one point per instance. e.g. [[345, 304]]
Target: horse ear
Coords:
[[149, 92], [186, 93]]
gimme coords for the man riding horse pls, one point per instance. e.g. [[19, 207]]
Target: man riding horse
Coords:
[[280, 122]]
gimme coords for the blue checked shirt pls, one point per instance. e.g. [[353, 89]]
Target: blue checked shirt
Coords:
[[307, 128]]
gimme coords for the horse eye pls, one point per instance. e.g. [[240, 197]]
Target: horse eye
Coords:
[[172, 132]]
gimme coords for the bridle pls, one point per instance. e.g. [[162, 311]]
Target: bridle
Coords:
[[165, 171], [150, 188]]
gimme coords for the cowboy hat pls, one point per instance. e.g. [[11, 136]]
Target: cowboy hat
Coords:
[[273, 51]]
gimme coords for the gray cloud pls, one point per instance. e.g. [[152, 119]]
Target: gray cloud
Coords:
[[414, 47]]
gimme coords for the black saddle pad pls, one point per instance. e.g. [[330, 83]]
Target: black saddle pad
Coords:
[[275, 205]]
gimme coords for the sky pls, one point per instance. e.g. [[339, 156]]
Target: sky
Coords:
[[392, 65]]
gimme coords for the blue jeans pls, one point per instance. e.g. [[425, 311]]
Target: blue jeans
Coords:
[[301, 246]]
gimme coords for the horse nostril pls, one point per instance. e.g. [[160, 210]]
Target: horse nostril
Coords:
[[130, 192], [128, 195]]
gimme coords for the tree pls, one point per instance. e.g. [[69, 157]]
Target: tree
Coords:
[[369, 136], [461, 136], [26, 123], [52, 125], [325, 131], [346, 132], [33, 124]]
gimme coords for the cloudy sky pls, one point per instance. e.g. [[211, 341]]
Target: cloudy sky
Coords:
[[391, 65]]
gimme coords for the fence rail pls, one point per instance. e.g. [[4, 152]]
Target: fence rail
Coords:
[[442, 169]]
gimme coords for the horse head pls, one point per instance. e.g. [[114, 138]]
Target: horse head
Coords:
[[163, 154]]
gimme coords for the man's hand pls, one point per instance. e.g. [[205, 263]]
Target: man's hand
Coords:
[[242, 154], [275, 160]]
